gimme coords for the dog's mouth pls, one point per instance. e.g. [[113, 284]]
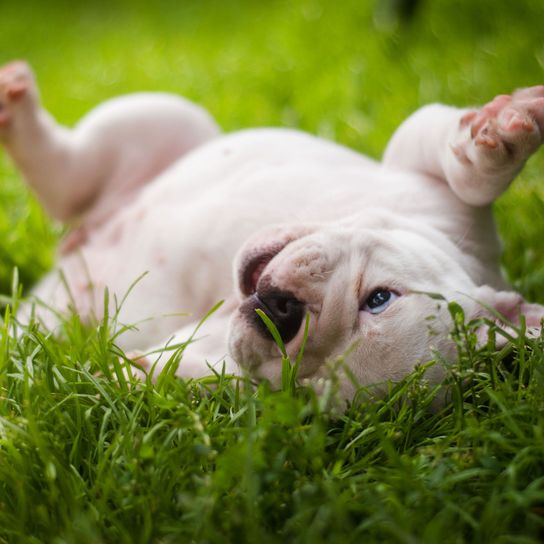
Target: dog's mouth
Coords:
[[280, 306], [253, 266]]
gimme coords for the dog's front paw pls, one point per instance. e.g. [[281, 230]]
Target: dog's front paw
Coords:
[[505, 131], [16, 83]]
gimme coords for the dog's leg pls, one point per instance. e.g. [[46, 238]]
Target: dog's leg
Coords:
[[203, 350], [478, 152], [114, 150]]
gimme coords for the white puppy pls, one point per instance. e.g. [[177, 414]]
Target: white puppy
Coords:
[[311, 228]]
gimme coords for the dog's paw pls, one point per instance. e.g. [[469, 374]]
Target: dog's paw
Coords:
[[505, 131], [16, 83]]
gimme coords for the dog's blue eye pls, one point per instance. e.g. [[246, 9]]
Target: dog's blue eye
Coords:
[[378, 301]]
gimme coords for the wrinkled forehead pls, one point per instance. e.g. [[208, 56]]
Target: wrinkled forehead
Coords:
[[393, 256]]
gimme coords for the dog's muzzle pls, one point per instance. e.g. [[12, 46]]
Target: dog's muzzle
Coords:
[[281, 307]]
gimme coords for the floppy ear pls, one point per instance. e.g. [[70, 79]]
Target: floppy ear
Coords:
[[505, 308]]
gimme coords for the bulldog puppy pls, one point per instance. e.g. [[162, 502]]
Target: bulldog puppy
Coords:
[[163, 208]]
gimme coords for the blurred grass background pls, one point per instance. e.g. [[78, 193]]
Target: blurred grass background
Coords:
[[88, 459], [349, 70]]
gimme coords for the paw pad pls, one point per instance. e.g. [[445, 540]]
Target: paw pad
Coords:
[[508, 127]]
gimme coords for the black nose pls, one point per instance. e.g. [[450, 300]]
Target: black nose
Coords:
[[283, 309]]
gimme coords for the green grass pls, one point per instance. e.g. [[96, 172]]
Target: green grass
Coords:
[[87, 456]]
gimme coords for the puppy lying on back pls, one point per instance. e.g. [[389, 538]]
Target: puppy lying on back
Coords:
[[305, 226]]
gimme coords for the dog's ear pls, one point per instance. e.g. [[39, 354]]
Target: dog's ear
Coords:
[[505, 309]]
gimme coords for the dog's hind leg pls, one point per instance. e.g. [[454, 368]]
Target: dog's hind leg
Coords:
[[478, 152], [203, 347], [82, 174]]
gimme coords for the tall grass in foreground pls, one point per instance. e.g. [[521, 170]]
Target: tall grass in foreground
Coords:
[[87, 455], [90, 454]]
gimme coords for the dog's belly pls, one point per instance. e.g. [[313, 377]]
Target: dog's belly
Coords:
[[284, 175], [186, 226]]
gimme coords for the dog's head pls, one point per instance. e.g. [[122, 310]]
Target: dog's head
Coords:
[[364, 286]]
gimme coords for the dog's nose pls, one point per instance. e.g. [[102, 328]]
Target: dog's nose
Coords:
[[283, 309]]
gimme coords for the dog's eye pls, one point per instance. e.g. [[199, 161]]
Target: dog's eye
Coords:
[[379, 300]]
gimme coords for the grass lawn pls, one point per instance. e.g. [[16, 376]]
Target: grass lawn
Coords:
[[88, 458]]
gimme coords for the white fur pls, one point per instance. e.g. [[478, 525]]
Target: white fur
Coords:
[[151, 187]]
